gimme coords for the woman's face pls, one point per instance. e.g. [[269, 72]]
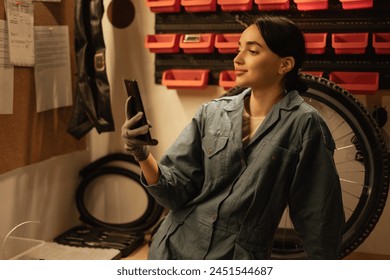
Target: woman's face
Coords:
[[255, 65]]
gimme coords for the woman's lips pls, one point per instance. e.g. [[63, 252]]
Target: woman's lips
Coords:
[[239, 72]]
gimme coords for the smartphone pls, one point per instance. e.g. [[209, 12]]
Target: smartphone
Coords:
[[135, 105]]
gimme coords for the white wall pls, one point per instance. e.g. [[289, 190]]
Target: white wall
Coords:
[[45, 191]]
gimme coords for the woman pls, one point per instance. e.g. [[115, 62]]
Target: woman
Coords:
[[242, 159]]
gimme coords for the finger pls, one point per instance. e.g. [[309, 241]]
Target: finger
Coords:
[[133, 121], [134, 142], [153, 142], [138, 142], [133, 133], [127, 108]]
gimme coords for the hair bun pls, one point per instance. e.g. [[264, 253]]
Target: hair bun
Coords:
[[296, 83]]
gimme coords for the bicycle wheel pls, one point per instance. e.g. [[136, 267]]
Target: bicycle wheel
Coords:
[[361, 159]]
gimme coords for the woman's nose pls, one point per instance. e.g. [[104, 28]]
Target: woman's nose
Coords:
[[237, 59]]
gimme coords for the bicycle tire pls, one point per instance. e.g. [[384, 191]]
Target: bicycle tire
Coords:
[[371, 152], [98, 169]]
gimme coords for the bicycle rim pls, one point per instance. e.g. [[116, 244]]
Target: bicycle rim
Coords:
[[361, 159]]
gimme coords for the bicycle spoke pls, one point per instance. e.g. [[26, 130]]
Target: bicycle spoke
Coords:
[[345, 147], [352, 171], [338, 139], [351, 182], [351, 194]]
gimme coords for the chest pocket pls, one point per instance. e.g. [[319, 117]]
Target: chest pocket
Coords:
[[273, 155], [216, 136], [212, 146], [215, 159]]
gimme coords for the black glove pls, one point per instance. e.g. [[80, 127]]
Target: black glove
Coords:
[[130, 131]]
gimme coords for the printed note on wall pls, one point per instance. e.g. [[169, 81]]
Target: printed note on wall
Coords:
[[6, 73], [20, 24], [52, 70]]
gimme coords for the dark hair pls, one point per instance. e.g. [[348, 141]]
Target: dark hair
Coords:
[[284, 38]]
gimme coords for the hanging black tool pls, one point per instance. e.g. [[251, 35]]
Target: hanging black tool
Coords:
[[92, 106]]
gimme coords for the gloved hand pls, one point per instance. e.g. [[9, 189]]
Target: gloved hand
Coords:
[[130, 131]]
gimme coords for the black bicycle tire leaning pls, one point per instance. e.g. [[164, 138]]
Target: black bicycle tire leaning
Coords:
[[376, 161], [97, 169]]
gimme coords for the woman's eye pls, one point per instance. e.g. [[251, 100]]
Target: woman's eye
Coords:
[[253, 52]]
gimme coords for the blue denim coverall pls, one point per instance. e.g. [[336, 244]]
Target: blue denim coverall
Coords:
[[226, 200]]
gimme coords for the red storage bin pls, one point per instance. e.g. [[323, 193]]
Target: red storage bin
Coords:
[[235, 5], [185, 78], [197, 43], [308, 5], [270, 5], [315, 42], [162, 43], [227, 79], [350, 43], [356, 4], [164, 6], [199, 5], [381, 43], [356, 82], [227, 43]]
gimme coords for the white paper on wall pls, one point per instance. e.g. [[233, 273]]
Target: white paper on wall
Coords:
[[20, 24], [6, 73], [52, 70]]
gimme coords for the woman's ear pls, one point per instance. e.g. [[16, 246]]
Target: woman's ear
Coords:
[[287, 65]]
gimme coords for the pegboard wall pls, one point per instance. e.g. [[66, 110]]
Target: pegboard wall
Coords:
[[348, 36], [26, 136]]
